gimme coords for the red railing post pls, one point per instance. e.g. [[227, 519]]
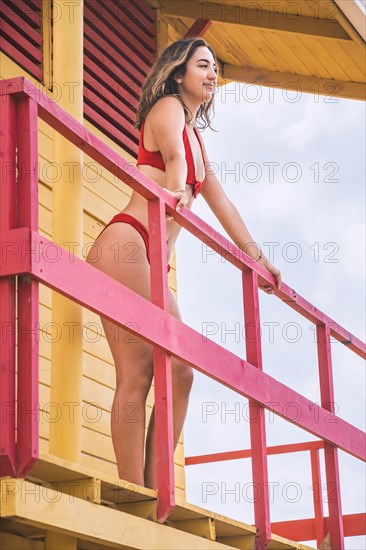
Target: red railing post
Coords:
[[330, 451], [317, 496], [28, 318], [256, 411], [7, 286], [163, 409]]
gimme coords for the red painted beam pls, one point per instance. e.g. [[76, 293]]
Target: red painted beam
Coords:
[[316, 486], [163, 409], [247, 453], [333, 487], [256, 412], [94, 147], [28, 295], [304, 529], [199, 27], [7, 288], [108, 298]]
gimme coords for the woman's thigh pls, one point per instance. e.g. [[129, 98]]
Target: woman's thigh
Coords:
[[112, 255]]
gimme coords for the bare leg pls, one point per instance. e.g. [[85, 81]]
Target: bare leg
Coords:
[[132, 356], [182, 378], [128, 432]]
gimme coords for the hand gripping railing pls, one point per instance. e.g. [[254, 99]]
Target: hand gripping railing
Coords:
[[23, 255]]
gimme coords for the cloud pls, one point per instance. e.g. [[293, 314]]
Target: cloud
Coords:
[[325, 205]]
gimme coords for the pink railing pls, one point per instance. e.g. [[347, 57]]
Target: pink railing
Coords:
[[23, 256]]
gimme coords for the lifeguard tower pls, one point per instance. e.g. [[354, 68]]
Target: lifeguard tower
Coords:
[[71, 74]]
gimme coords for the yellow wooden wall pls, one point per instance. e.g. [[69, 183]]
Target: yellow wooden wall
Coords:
[[102, 200]]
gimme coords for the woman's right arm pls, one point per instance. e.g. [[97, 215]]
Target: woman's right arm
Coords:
[[167, 123]]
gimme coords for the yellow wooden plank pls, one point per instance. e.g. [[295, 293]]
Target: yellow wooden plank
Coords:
[[54, 469], [45, 220], [330, 88], [104, 467], [8, 497], [98, 523], [45, 295], [88, 488], [45, 144], [224, 526], [99, 370], [45, 371], [287, 46], [45, 196], [281, 543], [162, 32], [348, 63], [99, 208], [99, 348], [202, 527], [146, 509], [92, 227], [9, 541], [243, 542], [325, 52], [248, 18], [55, 540], [104, 191]]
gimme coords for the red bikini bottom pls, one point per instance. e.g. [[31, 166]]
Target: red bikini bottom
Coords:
[[126, 218]]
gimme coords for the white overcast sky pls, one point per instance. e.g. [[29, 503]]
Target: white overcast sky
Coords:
[[313, 205]]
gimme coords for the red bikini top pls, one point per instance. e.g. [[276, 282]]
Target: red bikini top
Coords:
[[154, 158]]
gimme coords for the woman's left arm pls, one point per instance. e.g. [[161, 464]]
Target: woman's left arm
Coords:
[[230, 219]]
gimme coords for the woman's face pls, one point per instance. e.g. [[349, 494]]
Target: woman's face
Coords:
[[199, 82]]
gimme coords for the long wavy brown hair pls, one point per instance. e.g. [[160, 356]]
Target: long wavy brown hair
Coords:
[[161, 82]]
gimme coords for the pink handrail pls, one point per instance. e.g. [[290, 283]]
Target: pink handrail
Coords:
[[21, 105]]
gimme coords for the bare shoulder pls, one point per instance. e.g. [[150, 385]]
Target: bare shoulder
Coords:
[[167, 111]]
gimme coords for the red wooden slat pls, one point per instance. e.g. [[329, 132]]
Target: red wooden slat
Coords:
[[317, 496], [98, 120], [34, 4], [107, 73], [118, 126], [32, 17], [127, 70], [95, 92], [28, 295], [21, 59], [7, 288], [117, 121], [144, 15], [256, 413], [330, 452], [120, 44], [21, 42], [119, 98], [145, 9], [134, 32], [26, 29]]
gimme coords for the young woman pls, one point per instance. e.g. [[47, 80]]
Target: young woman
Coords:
[[177, 96]]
